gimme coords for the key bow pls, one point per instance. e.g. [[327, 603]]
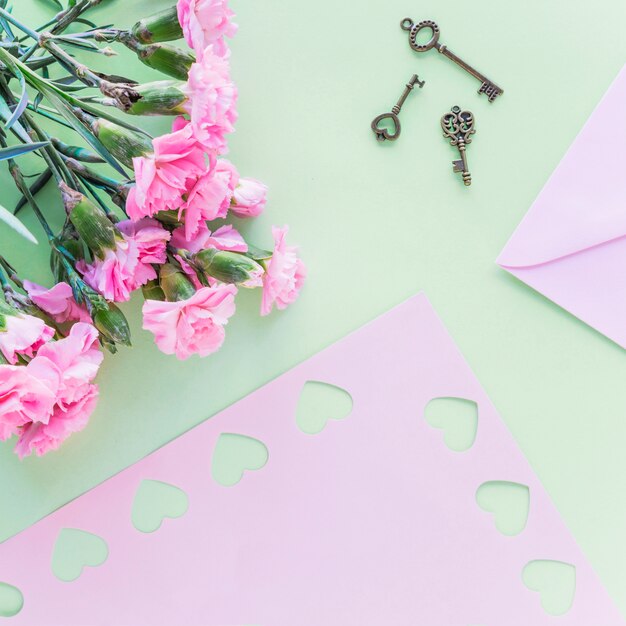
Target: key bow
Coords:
[[383, 133]]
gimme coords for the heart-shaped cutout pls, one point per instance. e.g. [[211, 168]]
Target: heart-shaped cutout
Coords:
[[320, 402], [457, 417], [75, 549], [11, 600], [233, 455], [555, 581], [154, 501], [509, 502], [386, 126]]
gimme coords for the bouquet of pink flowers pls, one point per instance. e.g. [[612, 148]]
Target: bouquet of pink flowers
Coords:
[[161, 228]]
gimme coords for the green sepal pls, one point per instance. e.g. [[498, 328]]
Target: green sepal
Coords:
[[162, 97], [167, 59], [122, 143], [162, 26], [225, 266], [152, 291], [112, 324], [90, 221], [174, 283]]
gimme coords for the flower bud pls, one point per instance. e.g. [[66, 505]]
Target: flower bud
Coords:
[[174, 283], [249, 198], [162, 26], [122, 143], [152, 291], [162, 97], [90, 221], [74, 247], [165, 58], [112, 324], [228, 267]]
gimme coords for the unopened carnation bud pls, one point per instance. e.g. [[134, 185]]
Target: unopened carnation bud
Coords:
[[249, 198], [162, 26], [74, 248], [162, 97], [112, 324], [174, 283], [123, 143], [152, 291], [165, 58], [228, 267], [90, 221]]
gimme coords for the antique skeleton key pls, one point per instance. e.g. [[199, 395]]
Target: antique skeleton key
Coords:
[[383, 134], [489, 88], [458, 127]]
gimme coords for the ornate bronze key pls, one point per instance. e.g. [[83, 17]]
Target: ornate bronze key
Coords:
[[489, 88], [458, 127], [383, 133]]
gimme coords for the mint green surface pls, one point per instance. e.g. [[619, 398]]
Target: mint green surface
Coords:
[[378, 223]]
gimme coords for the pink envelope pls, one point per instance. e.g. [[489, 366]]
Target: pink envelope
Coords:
[[571, 245], [370, 521]]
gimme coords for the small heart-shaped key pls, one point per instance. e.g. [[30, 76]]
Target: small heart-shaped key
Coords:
[[382, 133]]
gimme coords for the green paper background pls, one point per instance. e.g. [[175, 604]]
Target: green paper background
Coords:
[[378, 223]]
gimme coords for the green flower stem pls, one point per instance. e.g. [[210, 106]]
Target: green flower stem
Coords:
[[89, 174], [65, 18], [48, 152], [82, 72], [43, 40], [16, 173], [13, 20]]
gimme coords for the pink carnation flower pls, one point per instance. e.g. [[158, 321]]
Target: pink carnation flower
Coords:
[[73, 362], [24, 398], [206, 22], [249, 198], [128, 265], [284, 274], [23, 335], [58, 302], [53, 396], [191, 326], [113, 276], [210, 196], [212, 97], [224, 238], [162, 177], [151, 240], [72, 417]]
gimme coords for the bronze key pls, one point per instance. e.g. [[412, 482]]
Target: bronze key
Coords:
[[489, 88], [458, 127]]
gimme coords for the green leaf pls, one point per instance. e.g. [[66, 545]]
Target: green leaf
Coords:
[[83, 44], [21, 105], [8, 218], [14, 151]]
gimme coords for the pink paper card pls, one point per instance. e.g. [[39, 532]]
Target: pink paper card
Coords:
[[571, 245], [373, 520]]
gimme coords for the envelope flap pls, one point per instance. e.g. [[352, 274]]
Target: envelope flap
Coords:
[[583, 204]]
